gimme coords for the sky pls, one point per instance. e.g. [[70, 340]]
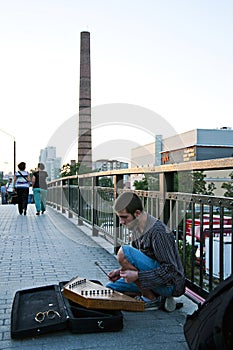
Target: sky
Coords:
[[171, 57]]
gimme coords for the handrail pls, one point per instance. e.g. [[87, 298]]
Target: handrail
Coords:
[[202, 224], [210, 164]]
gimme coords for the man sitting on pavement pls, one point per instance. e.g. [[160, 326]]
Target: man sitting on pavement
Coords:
[[151, 265], [9, 189]]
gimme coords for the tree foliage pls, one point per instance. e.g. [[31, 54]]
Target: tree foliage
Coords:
[[187, 182], [141, 184], [105, 182], [200, 186], [193, 182], [74, 169], [69, 169], [148, 183], [228, 186]]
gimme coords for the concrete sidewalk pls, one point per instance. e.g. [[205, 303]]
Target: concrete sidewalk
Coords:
[[46, 249]]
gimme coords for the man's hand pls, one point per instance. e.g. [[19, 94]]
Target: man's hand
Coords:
[[114, 275], [129, 275]]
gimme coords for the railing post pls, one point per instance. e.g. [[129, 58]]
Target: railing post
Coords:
[[80, 221], [166, 184], [118, 184], [70, 182], [95, 232], [55, 195], [63, 197], [58, 195]]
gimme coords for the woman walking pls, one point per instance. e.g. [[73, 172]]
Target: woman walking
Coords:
[[39, 186], [21, 184]]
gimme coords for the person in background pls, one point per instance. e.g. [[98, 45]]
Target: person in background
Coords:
[[151, 265], [39, 186], [30, 196], [10, 189], [3, 193], [21, 184]]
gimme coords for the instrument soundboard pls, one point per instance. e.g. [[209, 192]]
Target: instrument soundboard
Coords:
[[95, 296]]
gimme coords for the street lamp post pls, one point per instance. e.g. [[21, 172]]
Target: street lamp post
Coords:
[[14, 156], [14, 149]]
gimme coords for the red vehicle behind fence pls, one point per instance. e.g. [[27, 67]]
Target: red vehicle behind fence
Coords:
[[227, 224]]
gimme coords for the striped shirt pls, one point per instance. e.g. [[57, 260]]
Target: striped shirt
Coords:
[[21, 182], [158, 242]]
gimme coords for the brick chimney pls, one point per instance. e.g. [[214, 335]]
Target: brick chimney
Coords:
[[84, 138]]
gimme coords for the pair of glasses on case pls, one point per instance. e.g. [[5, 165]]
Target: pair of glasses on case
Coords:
[[50, 314]]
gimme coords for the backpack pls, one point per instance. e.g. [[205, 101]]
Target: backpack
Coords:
[[210, 327]]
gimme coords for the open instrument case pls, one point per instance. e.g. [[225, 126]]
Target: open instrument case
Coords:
[[44, 309]]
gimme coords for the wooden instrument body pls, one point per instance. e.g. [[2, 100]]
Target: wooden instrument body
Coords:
[[95, 296]]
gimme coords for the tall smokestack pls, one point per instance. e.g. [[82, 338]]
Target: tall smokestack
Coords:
[[84, 139]]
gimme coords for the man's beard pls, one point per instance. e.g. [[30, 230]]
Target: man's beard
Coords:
[[133, 224]]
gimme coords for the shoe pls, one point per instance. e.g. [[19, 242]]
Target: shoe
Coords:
[[169, 304], [154, 304], [25, 212], [37, 213], [42, 211]]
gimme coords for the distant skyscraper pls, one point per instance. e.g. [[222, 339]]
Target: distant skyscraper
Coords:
[[84, 138], [51, 161]]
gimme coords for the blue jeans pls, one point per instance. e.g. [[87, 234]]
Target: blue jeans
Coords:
[[40, 196], [142, 263]]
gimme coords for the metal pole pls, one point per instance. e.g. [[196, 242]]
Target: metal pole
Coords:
[[14, 156]]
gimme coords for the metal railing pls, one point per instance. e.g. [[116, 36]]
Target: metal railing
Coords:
[[202, 224]]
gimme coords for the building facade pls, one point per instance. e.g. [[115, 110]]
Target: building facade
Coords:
[[198, 144], [51, 161], [108, 164], [193, 145]]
